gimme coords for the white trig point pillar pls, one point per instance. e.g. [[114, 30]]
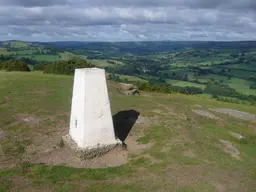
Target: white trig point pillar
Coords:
[[91, 124]]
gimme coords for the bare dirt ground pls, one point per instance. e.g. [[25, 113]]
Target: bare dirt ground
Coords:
[[3, 134], [45, 147], [189, 153], [228, 147], [143, 120], [205, 114], [197, 105], [235, 113], [116, 157]]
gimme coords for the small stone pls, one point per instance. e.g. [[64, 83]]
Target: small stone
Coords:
[[128, 89], [237, 135]]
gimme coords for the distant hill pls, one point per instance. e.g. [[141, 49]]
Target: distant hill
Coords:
[[149, 47], [34, 51]]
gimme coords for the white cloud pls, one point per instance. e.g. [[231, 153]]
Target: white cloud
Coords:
[[115, 20]]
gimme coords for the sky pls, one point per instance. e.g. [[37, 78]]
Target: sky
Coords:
[[127, 20]]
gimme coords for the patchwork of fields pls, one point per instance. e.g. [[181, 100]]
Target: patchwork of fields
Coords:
[[187, 65]]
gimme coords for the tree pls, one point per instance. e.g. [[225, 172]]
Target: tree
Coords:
[[185, 77], [66, 67], [253, 86], [14, 65]]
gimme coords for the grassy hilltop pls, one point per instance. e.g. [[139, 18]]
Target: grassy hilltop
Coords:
[[179, 143]]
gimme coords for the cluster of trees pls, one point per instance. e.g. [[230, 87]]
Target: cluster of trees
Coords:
[[114, 77], [158, 85], [66, 67], [175, 76], [234, 100], [29, 61], [40, 66], [138, 66], [252, 79], [10, 63], [253, 86], [165, 88], [218, 89], [6, 57], [111, 62], [99, 57], [13, 65], [13, 57]]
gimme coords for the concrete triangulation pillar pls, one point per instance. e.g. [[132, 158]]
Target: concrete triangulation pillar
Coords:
[[91, 124]]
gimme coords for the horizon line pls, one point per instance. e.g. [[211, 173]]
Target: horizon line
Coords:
[[225, 41]]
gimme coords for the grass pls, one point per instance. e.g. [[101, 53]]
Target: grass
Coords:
[[3, 51], [241, 66], [17, 44], [68, 56], [205, 96], [242, 73], [242, 86], [185, 84], [24, 52], [47, 98], [42, 57], [131, 78], [212, 76], [103, 63]]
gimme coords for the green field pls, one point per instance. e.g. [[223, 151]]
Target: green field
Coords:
[[68, 56], [132, 78], [17, 44], [103, 63], [212, 76], [183, 153], [43, 57], [241, 86], [185, 84], [27, 50], [3, 51], [24, 52]]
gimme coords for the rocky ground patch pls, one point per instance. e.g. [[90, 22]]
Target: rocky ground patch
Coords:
[[229, 148], [235, 113], [205, 114]]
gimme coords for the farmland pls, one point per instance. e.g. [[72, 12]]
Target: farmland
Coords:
[[179, 64]]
